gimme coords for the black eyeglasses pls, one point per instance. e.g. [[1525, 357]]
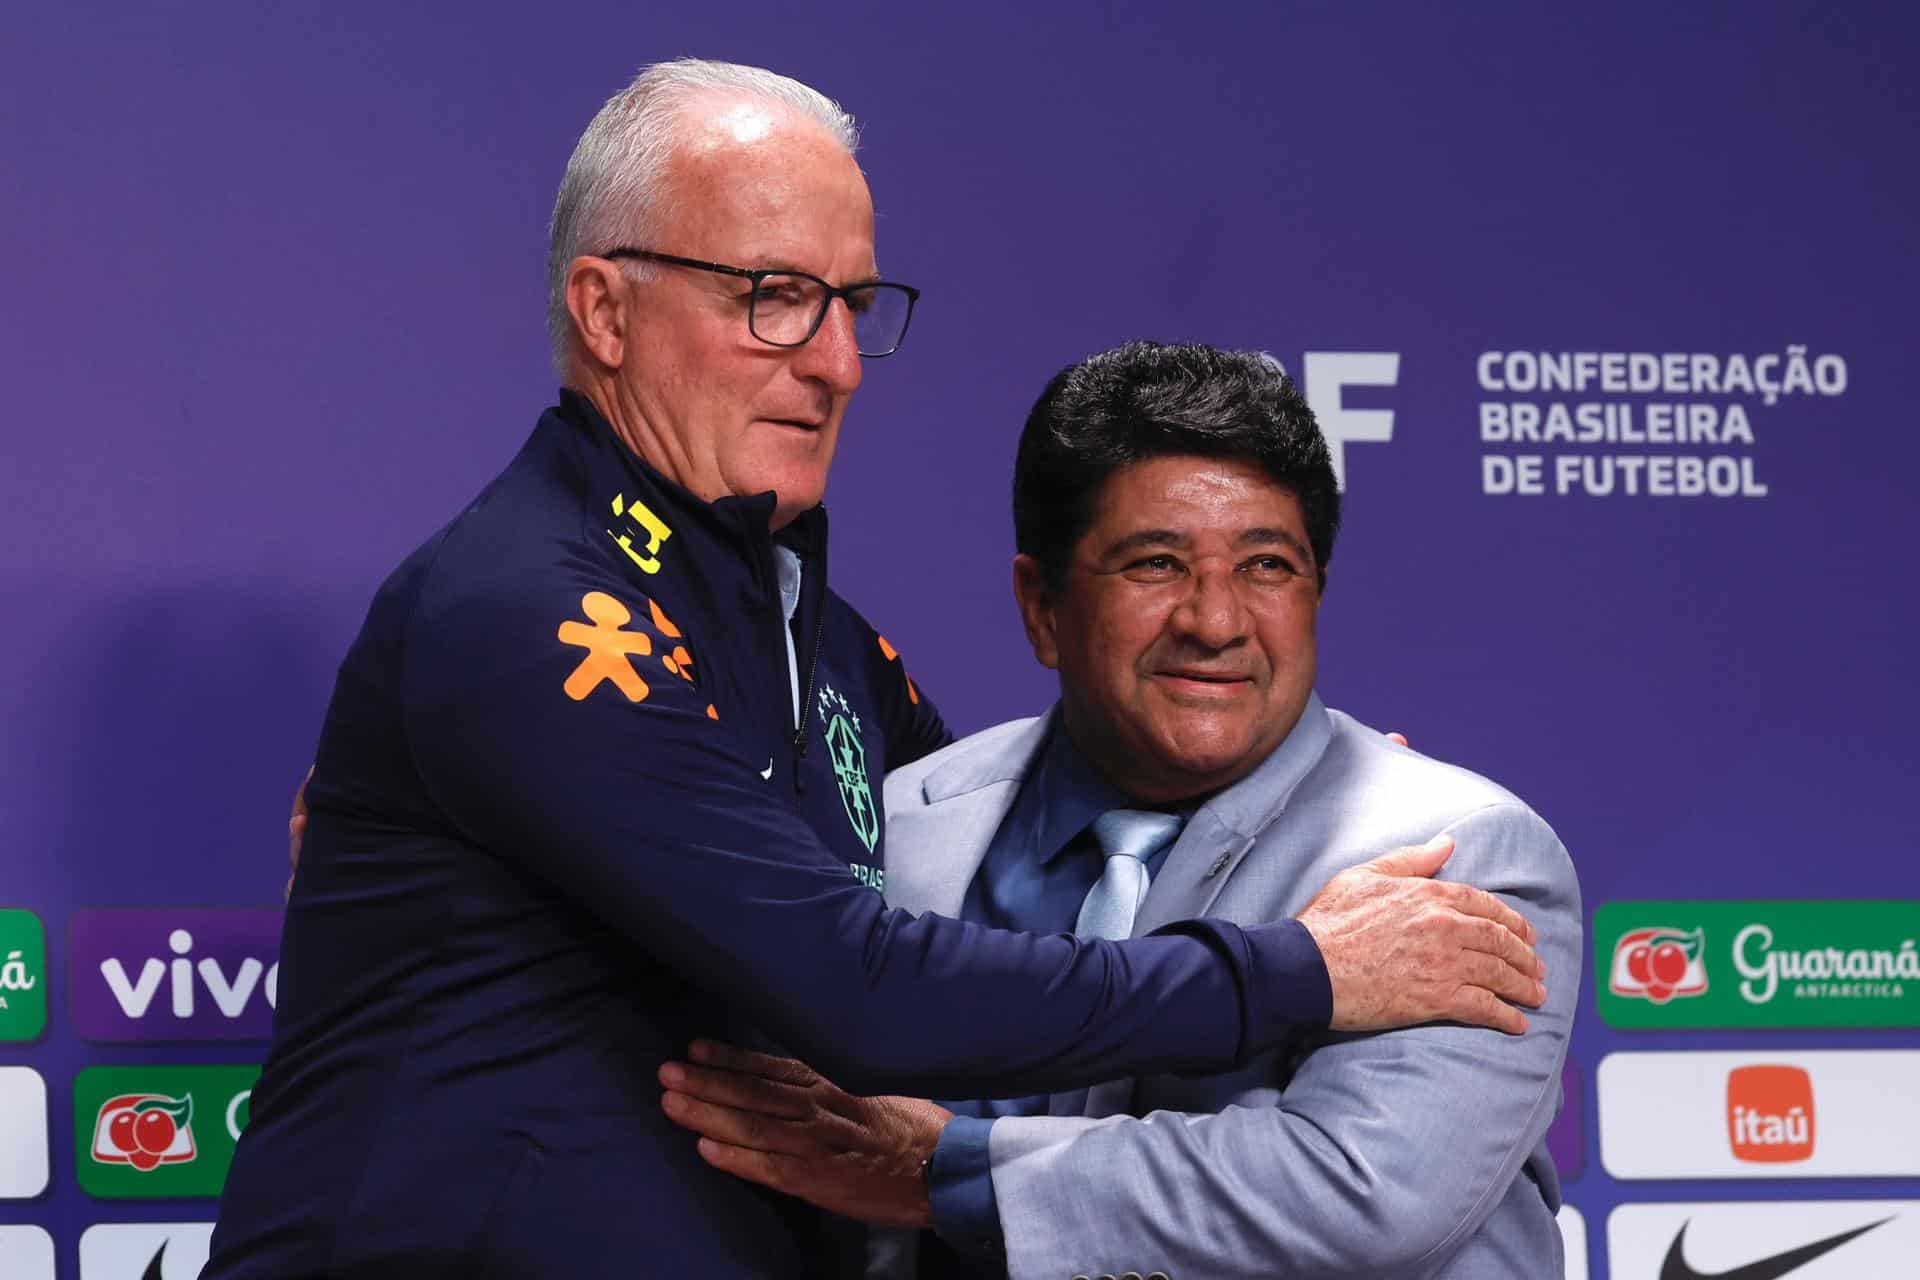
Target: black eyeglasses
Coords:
[[785, 308]]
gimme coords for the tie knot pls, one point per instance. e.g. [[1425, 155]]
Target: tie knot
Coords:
[[1136, 833]]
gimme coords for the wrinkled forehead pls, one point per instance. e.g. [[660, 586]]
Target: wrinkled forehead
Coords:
[[1222, 494]]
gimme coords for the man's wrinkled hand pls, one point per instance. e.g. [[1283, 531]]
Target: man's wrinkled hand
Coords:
[[297, 829], [779, 1123], [1402, 948]]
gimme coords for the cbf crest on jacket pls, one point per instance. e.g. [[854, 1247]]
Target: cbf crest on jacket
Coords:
[[565, 820]]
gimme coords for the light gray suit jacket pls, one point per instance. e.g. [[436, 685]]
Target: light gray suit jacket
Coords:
[[1415, 1153]]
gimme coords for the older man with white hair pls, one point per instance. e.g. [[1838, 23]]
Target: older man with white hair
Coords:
[[600, 776]]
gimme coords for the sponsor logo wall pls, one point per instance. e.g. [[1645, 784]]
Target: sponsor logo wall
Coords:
[[162, 1130], [1770, 973]]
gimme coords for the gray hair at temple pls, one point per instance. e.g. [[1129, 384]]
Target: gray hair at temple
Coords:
[[614, 190]]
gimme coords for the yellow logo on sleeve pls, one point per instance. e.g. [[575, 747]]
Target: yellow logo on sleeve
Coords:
[[652, 525]]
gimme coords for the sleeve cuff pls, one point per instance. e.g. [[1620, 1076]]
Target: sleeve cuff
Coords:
[[1294, 990], [960, 1189]]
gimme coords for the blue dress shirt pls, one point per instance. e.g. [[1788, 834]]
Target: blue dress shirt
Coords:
[[1037, 871]]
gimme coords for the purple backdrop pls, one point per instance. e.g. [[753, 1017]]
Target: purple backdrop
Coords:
[[272, 309]]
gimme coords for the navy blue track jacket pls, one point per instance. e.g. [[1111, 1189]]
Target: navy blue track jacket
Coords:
[[562, 824]]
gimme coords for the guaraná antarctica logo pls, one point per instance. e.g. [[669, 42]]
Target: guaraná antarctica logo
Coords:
[[1658, 964], [1759, 964], [23, 975], [145, 1130], [158, 1131]]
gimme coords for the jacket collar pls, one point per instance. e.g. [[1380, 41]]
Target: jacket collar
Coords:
[[736, 523], [1001, 754]]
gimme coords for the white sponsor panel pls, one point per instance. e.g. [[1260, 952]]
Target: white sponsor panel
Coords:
[[23, 1133], [26, 1253], [1573, 1235], [131, 1250], [1776, 1114], [1807, 1240]]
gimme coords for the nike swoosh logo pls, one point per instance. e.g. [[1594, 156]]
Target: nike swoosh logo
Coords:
[[766, 774], [1676, 1266]]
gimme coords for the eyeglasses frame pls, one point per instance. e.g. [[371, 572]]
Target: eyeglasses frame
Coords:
[[758, 275]]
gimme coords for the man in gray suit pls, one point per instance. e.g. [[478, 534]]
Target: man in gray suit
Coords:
[[1175, 512]]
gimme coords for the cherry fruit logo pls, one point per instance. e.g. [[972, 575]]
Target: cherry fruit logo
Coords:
[[145, 1130], [1659, 964]]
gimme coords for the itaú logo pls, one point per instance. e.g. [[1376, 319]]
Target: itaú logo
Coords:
[[1770, 1114]]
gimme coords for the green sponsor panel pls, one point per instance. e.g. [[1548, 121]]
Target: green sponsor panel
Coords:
[[23, 975], [1757, 964], [158, 1131]]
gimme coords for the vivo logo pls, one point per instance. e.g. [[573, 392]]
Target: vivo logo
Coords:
[[229, 995], [175, 975]]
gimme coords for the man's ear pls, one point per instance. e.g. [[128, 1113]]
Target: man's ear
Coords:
[[597, 301], [1036, 609]]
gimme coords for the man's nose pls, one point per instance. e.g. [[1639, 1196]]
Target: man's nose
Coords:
[[1213, 613], [832, 355]]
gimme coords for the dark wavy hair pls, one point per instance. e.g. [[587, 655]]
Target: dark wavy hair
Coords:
[[1148, 400]]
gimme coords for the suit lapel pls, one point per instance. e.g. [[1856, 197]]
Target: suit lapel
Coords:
[[934, 848], [940, 847], [1215, 842], [1211, 848], [1195, 871]]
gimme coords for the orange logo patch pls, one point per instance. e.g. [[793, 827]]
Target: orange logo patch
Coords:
[[1770, 1114], [609, 649], [892, 654], [680, 662]]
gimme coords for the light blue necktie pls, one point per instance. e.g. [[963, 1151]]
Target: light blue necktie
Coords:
[[1128, 837]]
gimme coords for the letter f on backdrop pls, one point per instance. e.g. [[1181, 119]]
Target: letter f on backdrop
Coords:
[[1326, 374]]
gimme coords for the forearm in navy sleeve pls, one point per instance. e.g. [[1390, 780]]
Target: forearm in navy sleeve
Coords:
[[652, 814], [1292, 990], [960, 1190]]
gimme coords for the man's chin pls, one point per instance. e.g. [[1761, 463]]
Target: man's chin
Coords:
[[795, 490]]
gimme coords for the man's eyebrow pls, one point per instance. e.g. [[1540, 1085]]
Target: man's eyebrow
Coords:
[[1142, 538], [783, 264], [1264, 536]]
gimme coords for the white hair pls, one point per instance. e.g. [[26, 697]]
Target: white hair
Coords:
[[614, 190]]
